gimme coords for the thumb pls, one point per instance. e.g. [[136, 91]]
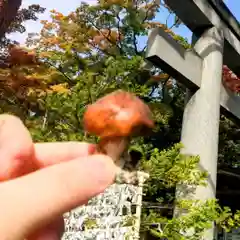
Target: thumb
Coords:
[[35, 200]]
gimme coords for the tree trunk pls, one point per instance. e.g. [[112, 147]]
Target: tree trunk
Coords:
[[8, 11]]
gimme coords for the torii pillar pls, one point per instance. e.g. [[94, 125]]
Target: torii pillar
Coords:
[[200, 129]]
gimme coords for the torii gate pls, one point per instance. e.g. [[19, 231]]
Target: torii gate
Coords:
[[200, 69]]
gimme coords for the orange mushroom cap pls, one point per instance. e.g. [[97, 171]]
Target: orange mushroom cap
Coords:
[[118, 114]]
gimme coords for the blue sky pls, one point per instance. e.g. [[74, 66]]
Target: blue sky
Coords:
[[67, 6]]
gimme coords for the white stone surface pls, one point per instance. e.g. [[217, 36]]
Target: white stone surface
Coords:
[[112, 213]]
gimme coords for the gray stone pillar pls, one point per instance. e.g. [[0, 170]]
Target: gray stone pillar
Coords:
[[200, 127]]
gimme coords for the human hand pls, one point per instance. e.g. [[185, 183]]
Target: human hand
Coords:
[[39, 182]]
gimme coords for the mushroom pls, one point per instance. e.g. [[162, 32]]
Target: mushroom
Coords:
[[115, 118]]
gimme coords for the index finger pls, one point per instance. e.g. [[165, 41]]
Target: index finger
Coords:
[[19, 156], [47, 154]]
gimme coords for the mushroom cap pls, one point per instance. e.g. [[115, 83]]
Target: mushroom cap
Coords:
[[119, 113]]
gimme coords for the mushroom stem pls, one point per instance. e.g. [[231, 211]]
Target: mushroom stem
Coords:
[[114, 147]]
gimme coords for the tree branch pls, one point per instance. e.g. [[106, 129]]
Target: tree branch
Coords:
[[69, 80], [163, 87], [119, 36], [135, 43], [106, 37]]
